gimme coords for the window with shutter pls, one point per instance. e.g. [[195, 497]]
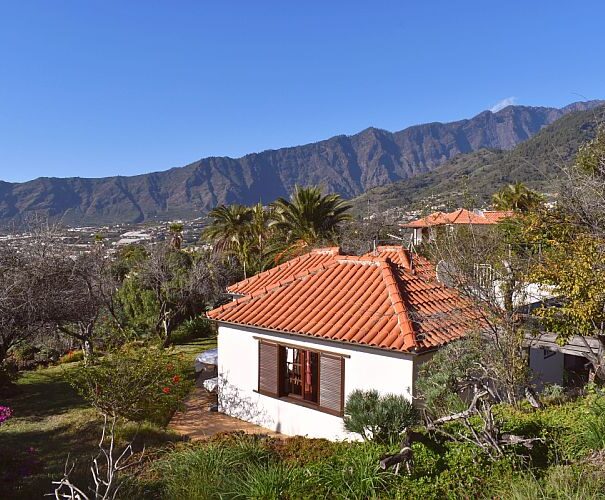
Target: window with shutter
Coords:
[[268, 368], [310, 378], [331, 383]]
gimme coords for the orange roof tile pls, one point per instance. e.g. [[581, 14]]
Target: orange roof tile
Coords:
[[401, 256], [309, 261], [367, 300], [460, 216]]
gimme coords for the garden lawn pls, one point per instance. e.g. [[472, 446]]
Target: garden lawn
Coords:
[[51, 423]]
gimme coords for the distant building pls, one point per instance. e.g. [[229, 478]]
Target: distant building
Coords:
[[424, 229]]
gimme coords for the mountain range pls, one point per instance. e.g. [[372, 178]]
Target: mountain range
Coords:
[[349, 165], [470, 179]]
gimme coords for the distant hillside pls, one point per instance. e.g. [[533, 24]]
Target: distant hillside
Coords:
[[349, 165], [471, 178]]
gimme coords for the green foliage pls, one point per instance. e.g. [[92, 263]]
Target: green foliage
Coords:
[[135, 384], [378, 418], [591, 155], [139, 308], [439, 378], [27, 356], [194, 328], [127, 259], [351, 474], [308, 216], [561, 482], [573, 269], [593, 431], [516, 197], [257, 237]]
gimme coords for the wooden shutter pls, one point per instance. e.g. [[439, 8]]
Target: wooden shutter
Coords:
[[331, 383], [268, 368]]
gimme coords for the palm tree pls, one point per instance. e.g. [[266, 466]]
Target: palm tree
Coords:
[[516, 197], [309, 217], [229, 230], [260, 233]]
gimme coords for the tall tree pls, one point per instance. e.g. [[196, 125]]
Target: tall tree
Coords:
[[261, 234], [180, 286], [309, 216], [572, 237], [229, 231]]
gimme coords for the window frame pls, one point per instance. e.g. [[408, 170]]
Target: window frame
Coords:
[[299, 400]]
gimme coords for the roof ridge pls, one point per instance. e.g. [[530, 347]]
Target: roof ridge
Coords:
[[363, 259], [392, 287], [272, 271], [327, 250]]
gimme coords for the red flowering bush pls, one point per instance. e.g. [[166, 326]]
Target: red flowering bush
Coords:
[[135, 384]]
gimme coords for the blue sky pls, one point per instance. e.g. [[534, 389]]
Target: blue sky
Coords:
[[95, 88]]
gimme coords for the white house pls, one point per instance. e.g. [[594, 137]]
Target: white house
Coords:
[[304, 335]]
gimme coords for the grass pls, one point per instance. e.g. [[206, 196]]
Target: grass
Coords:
[[51, 422]]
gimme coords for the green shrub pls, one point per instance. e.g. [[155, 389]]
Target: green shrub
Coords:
[[200, 472], [195, 328], [559, 426], [302, 451], [378, 418], [553, 394], [352, 474], [274, 480], [135, 384], [593, 430], [221, 469]]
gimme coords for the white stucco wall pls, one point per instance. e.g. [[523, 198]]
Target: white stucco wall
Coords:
[[547, 367], [366, 368]]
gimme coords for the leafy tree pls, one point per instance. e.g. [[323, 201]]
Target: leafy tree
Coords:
[[572, 239], [516, 197], [490, 266], [83, 298], [309, 216], [174, 286]]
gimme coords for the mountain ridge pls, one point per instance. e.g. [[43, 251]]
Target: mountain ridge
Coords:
[[349, 165], [470, 179]]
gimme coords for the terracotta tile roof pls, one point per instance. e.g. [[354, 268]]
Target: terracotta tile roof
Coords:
[[460, 216], [308, 261], [366, 300], [401, 256]]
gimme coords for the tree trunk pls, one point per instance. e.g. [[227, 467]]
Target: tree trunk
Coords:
[[167, 333], [88, 350], [3, 351]]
